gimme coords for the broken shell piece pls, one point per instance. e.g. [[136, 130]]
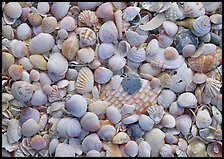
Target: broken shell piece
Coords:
[[121, 138]]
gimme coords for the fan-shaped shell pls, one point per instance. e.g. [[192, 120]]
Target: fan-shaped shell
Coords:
[[30, 127], [39, 98], [85, 81], [106, 50], [212, 87], [166, 98], [49, 24], [87, 36], [88, 18], [116, 62], [70, 47], [22, 91], [193, 9], [91, 142], [64, 150], [102, 75]]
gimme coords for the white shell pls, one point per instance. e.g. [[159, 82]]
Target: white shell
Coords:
[[116, 62], [18, 48], [24, 31], [98, 107], [174, 12], [152, 47], [193, 9], [144, 149], [136, 54], [145, 122], [13, 10], [123, 48], [108, 32], [203, 119], [64, 150], [113, 114], [13, 131], [86, 55], [39, 98], [187, 100], [183, 124], [119, 22], [166, 151], [60, 9], [90, 122], [130, 13], [107, 132], [30, 127], [131, 148], [199, 78], [217, 114], [168, 121], [130, 119], [106, 50], [91, 142], [22, 91], [170, 28], [166, 98], [67, 23], [176, 110], [102, 75], [43, 7], [37, 142], [156, 113], [136, 38]]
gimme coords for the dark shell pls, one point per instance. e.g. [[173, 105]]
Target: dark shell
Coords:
[[131, 83], [135, 131], [183, 38]]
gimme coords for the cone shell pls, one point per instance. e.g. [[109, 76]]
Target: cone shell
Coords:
[[85, 81]]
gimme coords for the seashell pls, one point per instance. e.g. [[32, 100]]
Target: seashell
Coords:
[[25, 12], [115, 81], [119, 23], [57, 66], [130, 119], [136, 54], [212, 87], [152, 6], [29, 113], [60, 9], [73, 128], [87, 37], [121, 138], [34, 19], [199, 78], [201, 26], [52, 146], [13, 131], [47, 43], [145, 122], [13, 10], [67, 23], [156, 138], [147, 68], [105, 50], [154, 23], [155, 83], [131, 148], [116, 62], [44, 79], [86, 55], [217, 114], [63, 83], [93, 153], [166, 98], [87, 5], [71, 74], [183, 124], [175, 110], [216, 18], [102, 75], [7, 32], [119, 5], [189, 50], [37, 30], [170, 138], [98, 107], [135, 131], [156, 113], [23, 31], [140, 37], [144, 149], [15, 72], [105, 11], [164, 40], [108, 32], [63, 149], [76, 105], [170, 53], [18, 48], [196, 148], [130, 13], [91, 142], [174, 12], [70, 47], [56, 94], [62, 34], [43, 7], [38, 62], [211, 6], [25, 63], [209, 48], [113, 114], [168, 121], [22, 91], [193, 9], [126, 108], [37, 142], [88, 18], [206, 63], [203, 119], [90, 122], [166, 151], [123, 48], [30, 127], [39, 98], [25, 76], [214, 149], [49, 24], [107, 132], [189, 103], [170, 28]]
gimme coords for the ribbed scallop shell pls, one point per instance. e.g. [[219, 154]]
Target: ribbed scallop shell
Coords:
[[174, 12], [193, 9], [88, 17], [212, 87], [85, 81], [211, 6], [144, 97], [87, 36]]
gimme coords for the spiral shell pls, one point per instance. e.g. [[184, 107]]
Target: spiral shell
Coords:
[[88, 18], [85, 81], [87, 36]]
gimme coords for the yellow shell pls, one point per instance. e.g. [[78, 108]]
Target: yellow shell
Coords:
[[38, 62], [187, 23]]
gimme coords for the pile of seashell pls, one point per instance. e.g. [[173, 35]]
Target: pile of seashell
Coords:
[[112, 79]]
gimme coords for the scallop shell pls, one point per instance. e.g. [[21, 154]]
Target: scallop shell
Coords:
[[205, 63], [30, 127], [174, 12], [68, 23], [88, 18], [87, 36], [49, 24], [105, 11], [130, 13], [41, 43], [18, 48], [212, 87], [193, 9], [211, 6], [86, 55], [60, 9], [108, 32], [85, 81], [22, 91], [13, 131], [70, 47], [34, 19], [13, 10], [137, 55], [215, 149], [7, 32], [90, 122]]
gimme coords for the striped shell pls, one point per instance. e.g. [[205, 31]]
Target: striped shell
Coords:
[[201, 26], [85, 81], [211, 6], [88, 18], [206, 63], [193, 9], [87, 36]]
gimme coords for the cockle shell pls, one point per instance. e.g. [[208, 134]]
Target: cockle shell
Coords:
[[85, 81], [152, 47], [108, 32], [38, 62], [49, 24], [13, 10], [168, 121], [129, 13], [90, 122], [64, 150], [86, 55], [34, 19], [116, 62], [13, 131], [102, 75], [211, 6], [39, 98], [87, 5], [60, 9], [187, 100], [175, 109], [87, 36], [144, 149], [62, 34], [164, 40], [88, 18], [137, 55], [68, 23], [145, 122], [7, 32], [70, 47], [91, 142], [30, 127], [105, 11], [18, 48], [24, 31], [121, 138], [46, 40], [15, 72], [22, 90], [43, 7], [193, 9], [106, 50], [205, 63], [212, 87], [174, 12]]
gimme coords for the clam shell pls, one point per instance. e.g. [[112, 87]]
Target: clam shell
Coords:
[[88, 18], [24, 31], [87, 5], [98, 107], [22, 91], [105, 50], [113, 114], [136, 54], [170, 28], [86, 55], [209, 48], [25, 63], [175, 109], [29, 113], [145, 122], [170, 53], [199, 78], [165, 40], [74, 128], [7, 32], [121, 138], [67, 23], [18, 48], [131, 148], [34, 19], [70, 47], [71, 74], [37, 142], [102, 75], [13, 131], [211, 6], [189, 50], [62, 126], [87, 36], [64, 150], [135, 131], [203, 119], [47, 43], [168, 121], [107, 132], [144, 149], [156, 138], [63, 34], [105, 11], [193, 9], [166, 98], [130, 119], [44, 79], [147, 68], [123, 48], [183, 124], [13, 10], [30, 127], [60, 9], [108, 32], [130, 13], [91, 142], [115, 81], [43, 7], [187, 100], [166, 151], [49, 24], [15, 72], [76, 105], [90, 122], [39, 98], [38, 62], [93, 153], [116, 62]]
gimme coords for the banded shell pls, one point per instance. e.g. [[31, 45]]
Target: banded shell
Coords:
[[201, 26], [88, 18], [205, 63], [130, 13], [13, 10], [108, 32], [60, 9], [70, 47], [87, 36], [193, 9], [211, 6], [49, 24], [136, 54], [85, 81], [212, 87], [22, 91], [68, 23]]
